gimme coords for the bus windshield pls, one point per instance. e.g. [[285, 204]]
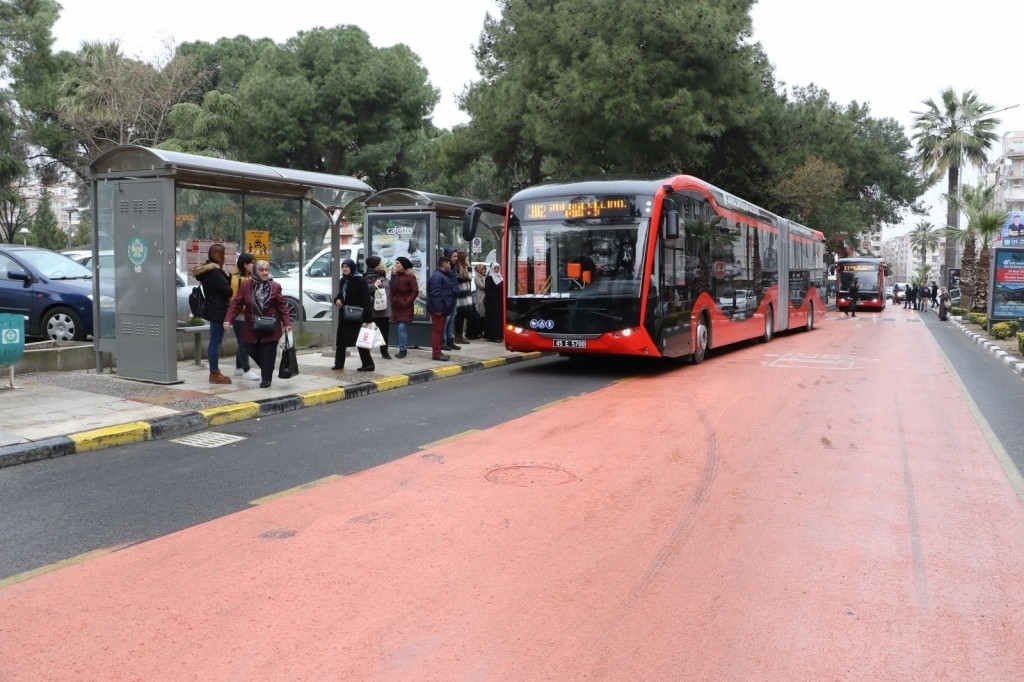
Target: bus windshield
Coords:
[[564, 259]]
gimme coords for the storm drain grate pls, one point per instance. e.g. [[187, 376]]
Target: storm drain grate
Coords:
[[208, 439]]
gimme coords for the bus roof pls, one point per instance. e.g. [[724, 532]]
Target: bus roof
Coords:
[[650, 184]]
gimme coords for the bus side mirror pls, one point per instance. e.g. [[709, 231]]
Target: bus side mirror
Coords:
[[470, 221], [671, 223]]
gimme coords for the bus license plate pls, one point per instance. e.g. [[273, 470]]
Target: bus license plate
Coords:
[[569, 343]]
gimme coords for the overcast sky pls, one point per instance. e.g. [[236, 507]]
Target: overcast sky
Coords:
[[890, 54]]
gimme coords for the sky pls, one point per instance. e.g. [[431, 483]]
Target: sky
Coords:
[[890, 54]]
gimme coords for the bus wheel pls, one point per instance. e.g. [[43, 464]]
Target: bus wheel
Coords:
[[810, 318], [703, 334], [769, 325]]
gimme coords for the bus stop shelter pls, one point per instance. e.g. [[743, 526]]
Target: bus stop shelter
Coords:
[[149, 202], [420, 225]]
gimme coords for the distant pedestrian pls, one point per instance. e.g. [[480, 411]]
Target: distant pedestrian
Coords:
[[217, 289], [853, 293], [404, 290], [935, 295]]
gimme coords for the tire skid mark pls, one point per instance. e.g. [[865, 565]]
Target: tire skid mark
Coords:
[[919, 575], [677, 537]]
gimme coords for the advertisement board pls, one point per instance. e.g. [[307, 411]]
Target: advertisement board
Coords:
[[1006, 290]]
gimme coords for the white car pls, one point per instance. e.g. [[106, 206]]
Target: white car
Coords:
[[317, 303]]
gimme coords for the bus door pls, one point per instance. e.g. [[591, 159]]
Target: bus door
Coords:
[[675, 295], [782, 309]]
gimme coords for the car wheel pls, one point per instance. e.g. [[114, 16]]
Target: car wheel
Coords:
[[293, 309], [769, 325], [702, 340], [63, 324]]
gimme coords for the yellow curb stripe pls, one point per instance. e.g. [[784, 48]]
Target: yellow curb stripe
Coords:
[[555, 402], [227, 414], [108, 436], [57, 565], [449, 439], [322, 396], [388, 383], [447, 371], [532, 355], [296, 489], [492, 362]]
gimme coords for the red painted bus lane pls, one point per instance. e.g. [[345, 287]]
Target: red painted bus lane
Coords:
[[820, 507]]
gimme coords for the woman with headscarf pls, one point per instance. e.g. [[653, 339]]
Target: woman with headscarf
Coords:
[[352, 290], [260, 296], [493, 309], [217, 290], [243, 271]]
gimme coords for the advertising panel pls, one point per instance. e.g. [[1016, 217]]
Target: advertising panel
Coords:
[[1006, 299]]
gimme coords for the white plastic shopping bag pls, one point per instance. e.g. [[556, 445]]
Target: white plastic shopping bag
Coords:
[[366, 337]]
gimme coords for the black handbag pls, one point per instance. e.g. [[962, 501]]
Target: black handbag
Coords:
[[289, 363], [352, 313], [262, 324]]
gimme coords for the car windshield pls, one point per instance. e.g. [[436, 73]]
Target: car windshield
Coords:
[[54, 265]]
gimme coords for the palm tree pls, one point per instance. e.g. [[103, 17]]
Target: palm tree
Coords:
[[973, 201], [958, 131], [923, 239], [983, 223]]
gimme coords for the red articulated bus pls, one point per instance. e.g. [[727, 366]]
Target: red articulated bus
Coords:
[[870, 276], [666, 267]]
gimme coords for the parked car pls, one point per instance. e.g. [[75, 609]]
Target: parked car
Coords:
[[318, 269], [888, 291], [51, 290]]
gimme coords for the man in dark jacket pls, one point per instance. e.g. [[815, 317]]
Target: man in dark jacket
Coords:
[[441, 292], [448, 337]]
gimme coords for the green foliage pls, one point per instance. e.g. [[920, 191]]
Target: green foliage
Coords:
[[1002, 330], [957, 311], [45, 231], [1020, 342], [980, 319], [955, 130]]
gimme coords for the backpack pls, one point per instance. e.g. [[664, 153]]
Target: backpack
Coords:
[[197, 302], [380, 298]]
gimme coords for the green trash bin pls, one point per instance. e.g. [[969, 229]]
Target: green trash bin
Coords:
[[12, 339]]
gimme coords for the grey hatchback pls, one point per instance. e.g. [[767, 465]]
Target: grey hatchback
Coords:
[[52, 291]]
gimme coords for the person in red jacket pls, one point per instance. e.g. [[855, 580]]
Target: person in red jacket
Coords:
[[260, 296], [404, 290]]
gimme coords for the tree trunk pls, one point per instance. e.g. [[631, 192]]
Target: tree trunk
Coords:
[[952, 220]]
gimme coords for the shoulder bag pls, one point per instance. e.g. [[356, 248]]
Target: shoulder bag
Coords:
[[352, 313]]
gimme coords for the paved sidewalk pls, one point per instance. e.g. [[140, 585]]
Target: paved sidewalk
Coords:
[[53, 414]]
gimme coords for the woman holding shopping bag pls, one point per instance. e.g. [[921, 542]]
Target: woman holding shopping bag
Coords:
[[352, 293], [260, 297]]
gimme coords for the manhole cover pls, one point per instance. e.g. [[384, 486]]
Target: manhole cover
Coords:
[[208, 439], [530, 475]]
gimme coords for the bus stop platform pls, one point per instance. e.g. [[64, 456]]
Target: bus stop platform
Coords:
[[52, 414]]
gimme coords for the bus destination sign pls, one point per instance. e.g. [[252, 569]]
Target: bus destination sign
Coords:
[[860, 267], [579, 207]]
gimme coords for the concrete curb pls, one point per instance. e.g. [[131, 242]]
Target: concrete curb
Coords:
[[176, 425], [1009, 360]]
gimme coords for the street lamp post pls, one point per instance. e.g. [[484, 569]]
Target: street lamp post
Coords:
[[24, 232], [71, 210]]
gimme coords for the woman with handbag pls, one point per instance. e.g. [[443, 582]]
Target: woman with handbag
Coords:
[[356, 307], [266, 318]]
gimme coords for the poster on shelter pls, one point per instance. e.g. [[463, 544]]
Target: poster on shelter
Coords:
[[1008, 285]]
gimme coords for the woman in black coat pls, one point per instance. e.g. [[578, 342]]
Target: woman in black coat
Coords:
[[352, 290], [493, 310], [217, 290]]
